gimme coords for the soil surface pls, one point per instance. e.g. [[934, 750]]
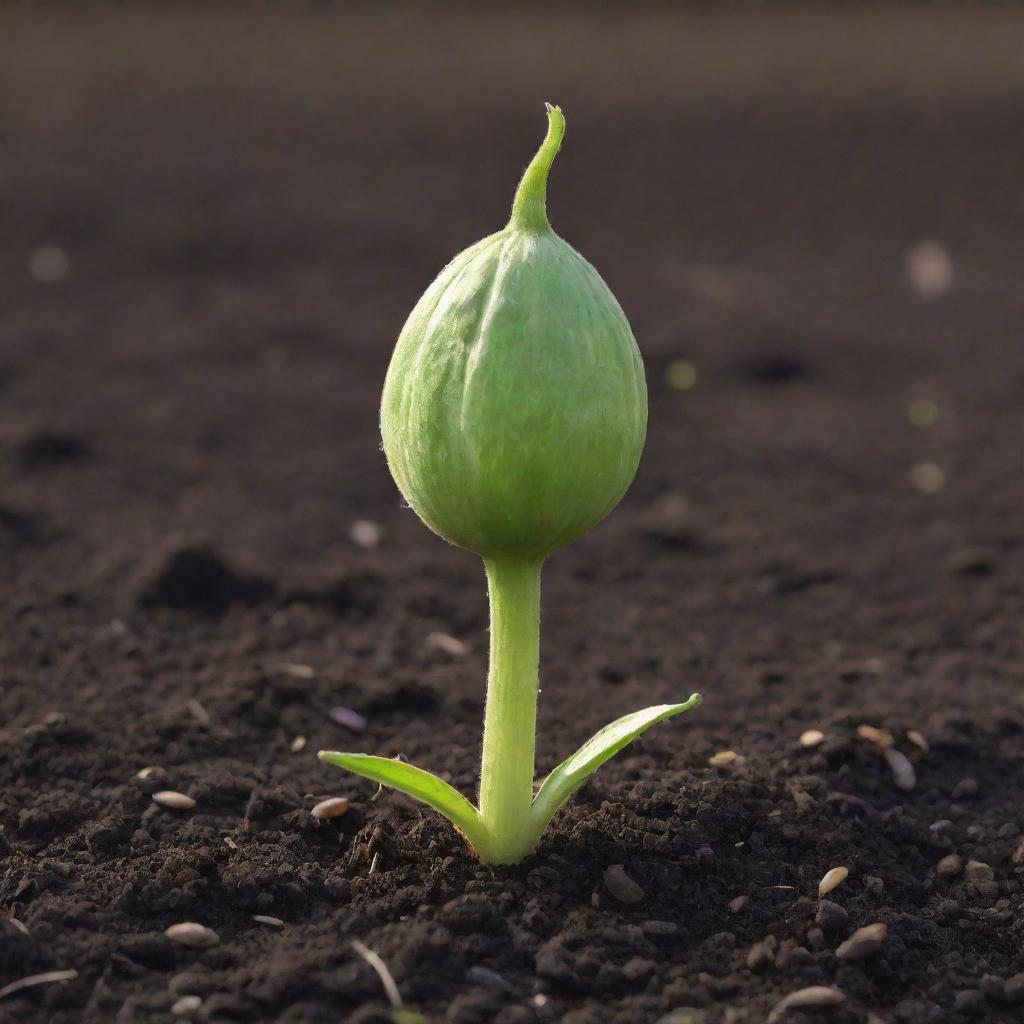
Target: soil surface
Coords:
[[212, 226]]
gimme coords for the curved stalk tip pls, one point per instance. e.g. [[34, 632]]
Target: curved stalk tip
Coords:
[[529, 208]]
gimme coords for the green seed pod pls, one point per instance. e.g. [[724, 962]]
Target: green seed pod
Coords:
[[515, 408]]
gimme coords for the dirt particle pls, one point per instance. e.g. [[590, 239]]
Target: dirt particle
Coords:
[[918, 740], [196, 578], [737, 904], [978, 871], [448, 644], [621, 886], [880, 737], [365, 534], [831, 917], [950, 866], [969, 1001]]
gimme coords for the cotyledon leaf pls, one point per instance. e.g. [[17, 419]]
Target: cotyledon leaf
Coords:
[[418, 784], [604, 744]]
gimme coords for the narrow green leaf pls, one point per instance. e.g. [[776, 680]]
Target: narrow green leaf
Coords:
[[418, 784], [575, 770]]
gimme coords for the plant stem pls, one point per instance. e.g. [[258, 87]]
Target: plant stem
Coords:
[[510, 718], [529, 208]]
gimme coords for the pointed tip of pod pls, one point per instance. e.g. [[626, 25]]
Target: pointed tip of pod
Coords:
[[529, 209]]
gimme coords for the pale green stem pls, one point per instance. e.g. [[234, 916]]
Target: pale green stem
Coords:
[[529, 208], [510, 717]]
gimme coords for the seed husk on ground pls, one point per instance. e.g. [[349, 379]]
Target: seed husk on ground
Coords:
[[815, 995], [348, 718], [192, 934], [447, 643], [296, 670], [832, 878], [918, 740], [334, 807], [880, 737], [186, 1005], [811, 738], [864, 942], [272, 922], [197, 711], [175, 801], [297, 744], [724, 757]]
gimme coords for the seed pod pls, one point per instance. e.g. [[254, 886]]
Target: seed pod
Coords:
[[515, 407]]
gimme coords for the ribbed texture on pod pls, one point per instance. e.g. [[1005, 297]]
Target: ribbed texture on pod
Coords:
[[515, 409]]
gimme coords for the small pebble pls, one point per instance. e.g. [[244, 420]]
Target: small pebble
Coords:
[[1013, 990], [811, 738], [621, 886], [334, 807], [831, 917], [833, 878], [176, 801], [449, 644], [816, 938], [903, 773], [965, 789], [297, 744], [816, 995], [486, 978], [348, 718], [737, 904], [724, 757], [970, 1001], [978, 871], [186, 1006], [879, 737], [272, 922], [950, 866], [659, 927], [864, 942], [189, 933]]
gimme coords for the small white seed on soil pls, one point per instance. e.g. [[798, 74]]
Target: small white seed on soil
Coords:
[[811, 738], [950, 866], [299, 743], [189, 933], [621, 886], [918, 740], [903, 773], [449, 644], [364, 533], [186, 1006], [230, 843], [272, 922], [176, 801], [296, 671], [335, 807], [928, 477], [149, 772], [864, 942], [832, 879], [373, 863], [348, 718], [816, 995], [197, 711], [879, 737], [724, 757]]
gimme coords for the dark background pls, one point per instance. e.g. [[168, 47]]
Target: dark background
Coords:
[[213, 221]]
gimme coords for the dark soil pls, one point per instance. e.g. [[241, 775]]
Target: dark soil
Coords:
[[249, 204]]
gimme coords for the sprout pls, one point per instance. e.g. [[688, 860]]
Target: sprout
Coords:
[[514, 415]]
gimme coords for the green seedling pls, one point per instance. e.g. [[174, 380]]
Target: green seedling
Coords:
[[514, 415]]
